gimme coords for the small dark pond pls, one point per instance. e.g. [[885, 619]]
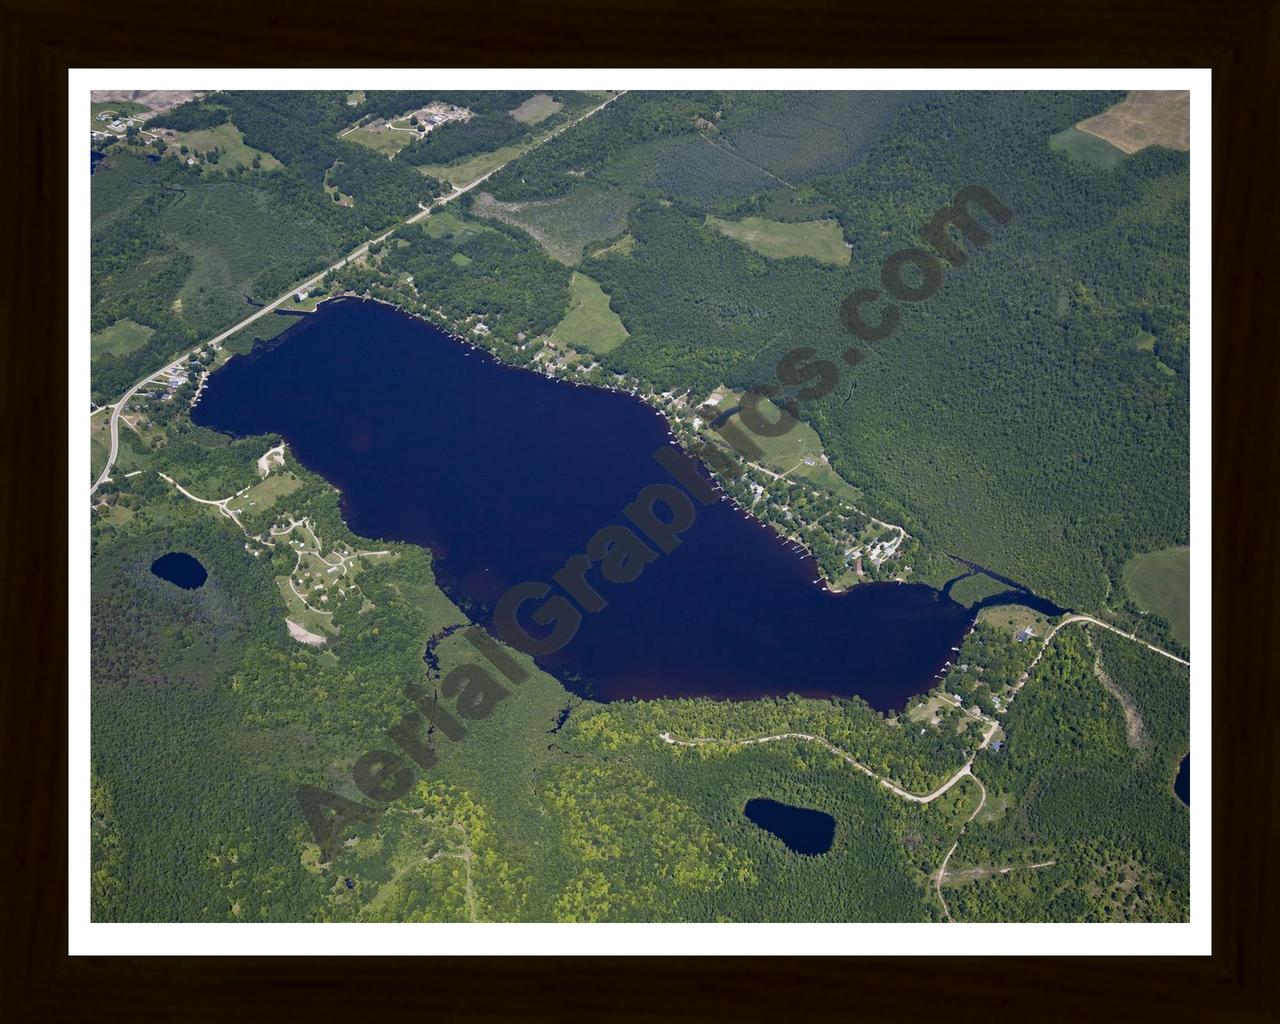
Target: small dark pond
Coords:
[[1182, 784], [180, 568], [803, 829]]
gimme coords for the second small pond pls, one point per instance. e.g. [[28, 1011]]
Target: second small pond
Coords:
[[803, 829]]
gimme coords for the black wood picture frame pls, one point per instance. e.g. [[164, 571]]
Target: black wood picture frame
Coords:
[[1238, 39]]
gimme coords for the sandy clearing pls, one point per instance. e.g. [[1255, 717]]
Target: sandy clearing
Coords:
[[304, 636]]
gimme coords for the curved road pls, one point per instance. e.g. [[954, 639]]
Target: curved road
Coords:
[[118, 407], [889, 784], [1096, 622]]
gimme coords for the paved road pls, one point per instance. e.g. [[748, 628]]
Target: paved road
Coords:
[[118, 408]]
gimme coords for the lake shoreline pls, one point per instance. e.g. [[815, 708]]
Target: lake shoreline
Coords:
[[772, 645]]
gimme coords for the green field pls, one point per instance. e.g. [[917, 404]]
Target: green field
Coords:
[[121, 338], [1013, 617], [1087, 148], [590, 323], [536, 108], [787, 452], [464, 172], [821, 240], [438, 225], [381, 139], [227, 140], [1160, 582], [264, 495]]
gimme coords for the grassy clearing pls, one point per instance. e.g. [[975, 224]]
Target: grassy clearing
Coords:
[[1014, 617], [589, 324], [1087, 148], [263, 329], [927, 711], [264, 495], [821, 240], [227, 140], [315, 622], [381, 138], [1160, 582], [784, 453], [536, 108], [99, 441], [464, 172], [98, 452], [114, 515], [564, 226], [438, 225], [121, 338], [624, 246]]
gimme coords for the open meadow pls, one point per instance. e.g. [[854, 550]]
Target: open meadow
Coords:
[[821, 240], [1160, 582]]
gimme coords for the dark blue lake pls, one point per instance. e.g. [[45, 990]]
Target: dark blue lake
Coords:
[[505, 474], [1182, 784], [180, 568], [803, 829]]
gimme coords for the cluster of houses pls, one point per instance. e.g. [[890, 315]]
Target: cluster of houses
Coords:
[[877, 553], [113, 125], [436, 114]]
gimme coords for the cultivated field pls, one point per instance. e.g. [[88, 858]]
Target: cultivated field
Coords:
[[589, 324], [1160, 582], [536, 108], [1145, 118], [821, 240]]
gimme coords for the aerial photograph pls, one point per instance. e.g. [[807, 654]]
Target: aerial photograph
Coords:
[[638, 505]]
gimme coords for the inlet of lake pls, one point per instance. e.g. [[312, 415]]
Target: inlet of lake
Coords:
[[504, 474]]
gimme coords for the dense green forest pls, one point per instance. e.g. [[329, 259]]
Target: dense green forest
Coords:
[[1030, 415], [1014, 417]]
